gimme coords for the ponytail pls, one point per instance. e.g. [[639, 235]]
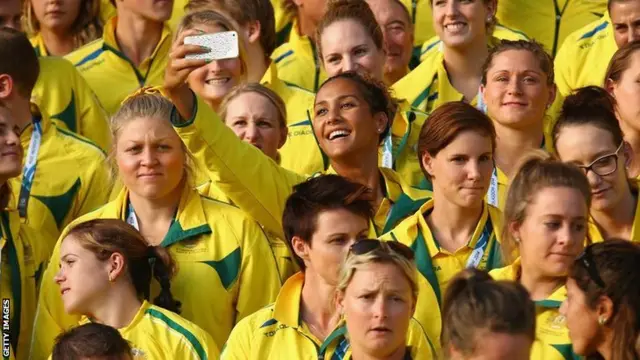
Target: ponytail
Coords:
[[104, 237], [163, 270]]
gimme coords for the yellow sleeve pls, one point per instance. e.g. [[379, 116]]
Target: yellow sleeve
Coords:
[[259, 281], [238, 346], [94, 191], [92, 119], [254, 182], [562, 63], [51, 319], [421, 346]]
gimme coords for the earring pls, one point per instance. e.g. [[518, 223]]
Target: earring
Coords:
[[517, 240], [602, 320]]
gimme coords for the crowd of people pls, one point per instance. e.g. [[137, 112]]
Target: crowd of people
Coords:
[[365, 179]]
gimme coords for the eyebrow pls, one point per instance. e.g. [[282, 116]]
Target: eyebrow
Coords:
[[341, 97]]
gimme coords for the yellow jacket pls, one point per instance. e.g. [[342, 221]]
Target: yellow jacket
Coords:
[[584, 57], [552, 336], [262, 189], [157, 333], [437, 266], [71, 102], [23, 259], [549, 21], [71, 179], [226, 269], [111, 75], [297, 61], [107, 11], [300, 152], [278, 332]]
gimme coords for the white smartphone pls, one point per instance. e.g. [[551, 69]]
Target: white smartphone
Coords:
[[222, 45]]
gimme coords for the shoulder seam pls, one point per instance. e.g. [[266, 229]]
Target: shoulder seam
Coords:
[[77, 137]]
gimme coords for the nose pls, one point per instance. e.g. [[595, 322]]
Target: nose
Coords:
[[59, 277], [348, 64], [380, 308], [473, 170], [251, 134], [593, 178], [514, 86], [148, 158], [633, 34], [451, 8]]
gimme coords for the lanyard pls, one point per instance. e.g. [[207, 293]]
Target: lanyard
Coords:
[[29, 171], [132, 219], [389, 156], [425, 264], [492, 194]]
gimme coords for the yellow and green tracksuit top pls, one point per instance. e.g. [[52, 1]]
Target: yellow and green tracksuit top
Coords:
[[552, 335], [300, 152], [499, 186], [595, 236], [500, 32], [549, 21], [226, 269], [70, 178], [278, 332], [107, 11], [438, 266], [584, 57], [38, 45], [262, 189], [22, 262], [157, 333], [428, 86], [64, 94], [111, 75], [297, 61]]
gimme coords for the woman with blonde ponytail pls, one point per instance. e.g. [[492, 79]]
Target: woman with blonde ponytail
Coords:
[[545, 226]]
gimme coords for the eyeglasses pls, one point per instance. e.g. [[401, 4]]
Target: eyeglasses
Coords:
[[604, 165], [365, 246], [586, 260]]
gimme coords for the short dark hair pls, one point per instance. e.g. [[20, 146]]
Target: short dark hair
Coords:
[[19, 60], [318, 194], [91, 340]]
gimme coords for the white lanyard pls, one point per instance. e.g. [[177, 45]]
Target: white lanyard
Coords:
[[387, 152], [478, 252], [132, 219], [29, 170], [492, 194]]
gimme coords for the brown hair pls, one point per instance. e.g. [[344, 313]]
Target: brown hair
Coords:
[[85, 28], [243, 12], [475, 304], [19, 60], [536, 49], [356, 10], [537, 171], [212, 18], [374, 92], [447, 122], [621, 61], [91, 341], [104, 237], [322, 193], [616, 263], [593, 106], [261, 90]]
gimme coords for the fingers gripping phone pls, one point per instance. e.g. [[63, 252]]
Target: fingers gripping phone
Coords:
[[222, 45]]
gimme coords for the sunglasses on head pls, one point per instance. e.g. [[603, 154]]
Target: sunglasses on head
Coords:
[[366, 246], [586, 260]]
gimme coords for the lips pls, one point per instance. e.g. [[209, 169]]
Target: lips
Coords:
[[150, 175], [217, 81], [455, 26], [64, 291], [337, 134], [380, 330]]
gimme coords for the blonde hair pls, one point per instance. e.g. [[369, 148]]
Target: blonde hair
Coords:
[[538, 170], [214, 18], [147, 102], [382, 255], [259, 89], [86, 27]]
